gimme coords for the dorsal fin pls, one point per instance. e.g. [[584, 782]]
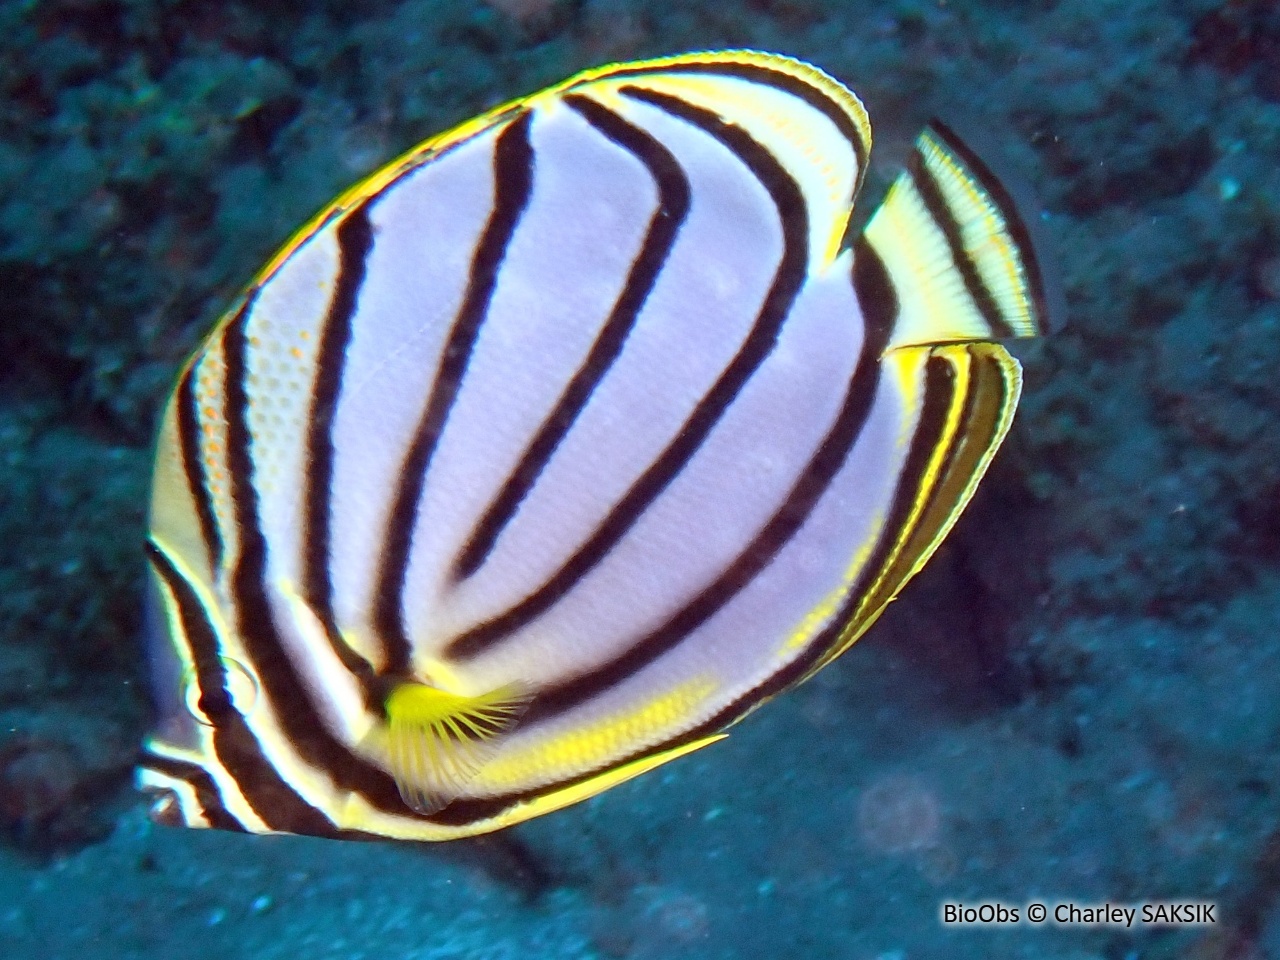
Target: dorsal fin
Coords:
[[814, 126]]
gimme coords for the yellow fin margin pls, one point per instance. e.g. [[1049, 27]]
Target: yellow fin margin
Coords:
[[988, 383], [807, 74], [575, 793], [819, 80], [824, 145]]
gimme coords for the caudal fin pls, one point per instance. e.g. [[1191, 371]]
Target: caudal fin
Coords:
[[955, 250]]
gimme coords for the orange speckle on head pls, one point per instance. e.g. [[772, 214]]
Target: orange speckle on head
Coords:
[[297, 352], [254, 341], [304, 334], [209, 412], [208, 429]]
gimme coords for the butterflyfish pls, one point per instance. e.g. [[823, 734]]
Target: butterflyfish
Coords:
[[553, 449]]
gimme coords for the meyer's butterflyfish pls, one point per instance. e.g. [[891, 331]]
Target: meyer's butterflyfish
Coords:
[[557, 446]]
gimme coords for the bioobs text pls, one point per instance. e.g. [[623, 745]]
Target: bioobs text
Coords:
[[984, 913]]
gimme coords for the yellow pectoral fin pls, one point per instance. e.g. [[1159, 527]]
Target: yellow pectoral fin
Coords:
[[435, 741]]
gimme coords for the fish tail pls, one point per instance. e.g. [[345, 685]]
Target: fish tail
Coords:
[[953, 250], [436, 741]]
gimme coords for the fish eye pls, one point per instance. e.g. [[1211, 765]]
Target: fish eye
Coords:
[[240, 684]]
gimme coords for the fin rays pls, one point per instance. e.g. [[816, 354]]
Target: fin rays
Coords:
[[956, 250], [435, 741]]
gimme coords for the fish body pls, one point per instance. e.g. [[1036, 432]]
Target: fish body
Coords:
[[553, 449]]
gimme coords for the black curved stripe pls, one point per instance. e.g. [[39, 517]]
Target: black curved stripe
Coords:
[[186, 406], [660, 237], [206, 790], [960, 451], [939, 389], [936, 204], [813, 481], [253, 621], [877, 296], [513, 186], [237, 749], [937, 400], [1010, 210], [988, 398], [797, 87], [355, 241], [788, 279]]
